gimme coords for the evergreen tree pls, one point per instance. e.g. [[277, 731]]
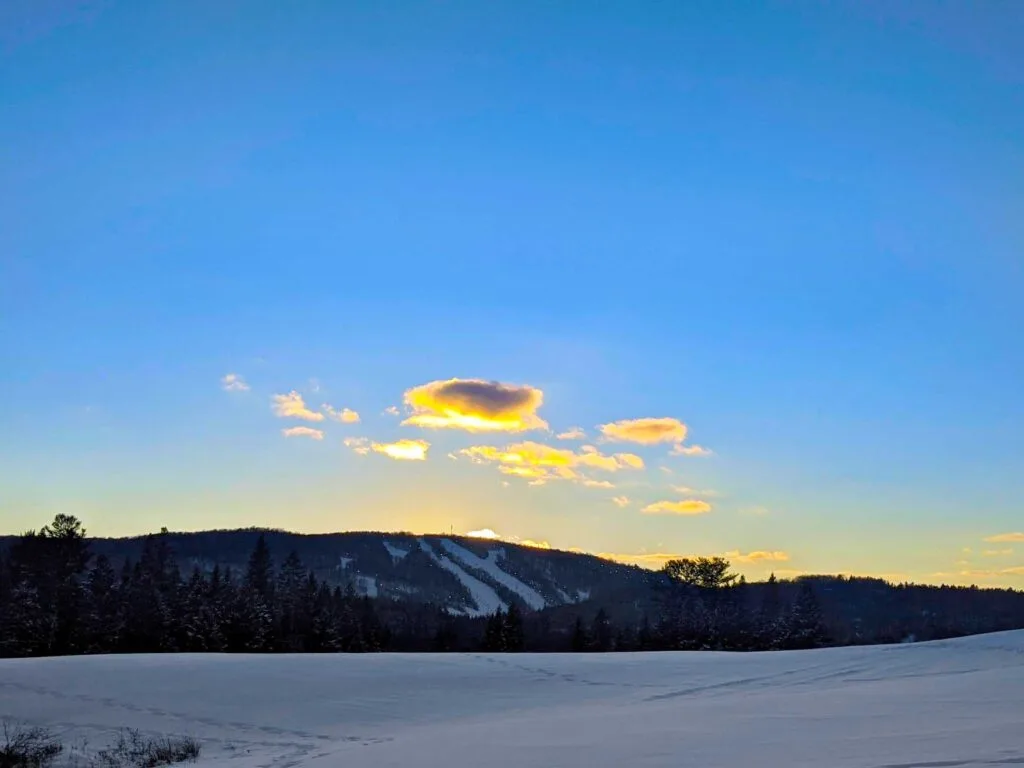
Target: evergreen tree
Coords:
[[601, 632], [259, 577], [806, 626], [513, 635], [579, 637]]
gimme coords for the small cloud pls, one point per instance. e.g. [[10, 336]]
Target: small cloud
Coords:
[[1000, 538], [997, 552], [667, 470], [360, 445], [757, 556], [541, 463], [1017, 570], [483, 533], [630, 460], [314, 385], [292, 406], [345, 415], [684, 507], [534, 544], [403, 450], [683, 489], [233, 382], [621, 501], [689, 450], [756, 511], [646, 431], [391, 410], [572, 433], [475, 405], [313, 434]]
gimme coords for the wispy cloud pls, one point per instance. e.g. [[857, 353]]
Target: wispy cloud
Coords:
[[360, 445], [1001, 538], [757, 556], [345, 415], [997, 552], [233, 382], [684, 507], [292, 406], [403, 450], [645, 431], [491, 535], [475, 405], [621, 501], [572, 433], [313, 434], [540, 463], [689, 450], [391, 410]]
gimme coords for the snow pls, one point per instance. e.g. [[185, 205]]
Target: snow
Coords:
[[344, 562], [397, 553], [530, 596], [485, 598], [953, 703], [368, 586]]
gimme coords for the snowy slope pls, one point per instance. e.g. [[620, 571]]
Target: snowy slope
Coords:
[[489, 566], [485, 598], [954, 703]]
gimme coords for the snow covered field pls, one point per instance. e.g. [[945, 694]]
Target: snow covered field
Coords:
[[939, 705]]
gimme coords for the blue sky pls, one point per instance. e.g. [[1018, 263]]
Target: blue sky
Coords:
[[798, 229]]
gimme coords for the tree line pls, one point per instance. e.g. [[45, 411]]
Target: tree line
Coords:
[[57, 598]]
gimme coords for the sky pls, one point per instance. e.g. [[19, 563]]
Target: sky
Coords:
[[641, 279]]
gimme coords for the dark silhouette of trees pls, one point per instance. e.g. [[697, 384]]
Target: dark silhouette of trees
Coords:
[[56, 598]]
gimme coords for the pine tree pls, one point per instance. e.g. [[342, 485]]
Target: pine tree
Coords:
[[601, 632], [514, 637], [27, 629], [806, 624], [259, 577], [579, 636], [102, 617]]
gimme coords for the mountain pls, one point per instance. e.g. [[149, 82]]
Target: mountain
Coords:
[[469, 577]]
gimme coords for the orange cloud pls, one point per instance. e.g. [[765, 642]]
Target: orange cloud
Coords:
[[572, 433], [483, 533], [232, 382], [646, 431], [621, 501], [684, 507], [314, 434], [1006, 537], [540, 462], [292, 406], [475, 405], [345, 415], [403, 450]]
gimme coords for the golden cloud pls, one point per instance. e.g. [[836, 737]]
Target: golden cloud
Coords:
[[403, 450], [345, 415], [997, 552], [572, 433], [475, 405], [1000, 538], [646, 431], [491, 535], [292, 406], [689, 450], [757, 556], [359, 445], [684, 507], [483, 533], [232, 382], [314, 434], [540, 463], [621, 501]]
